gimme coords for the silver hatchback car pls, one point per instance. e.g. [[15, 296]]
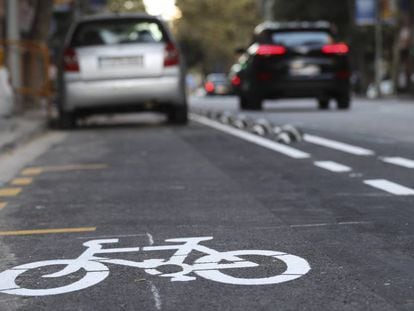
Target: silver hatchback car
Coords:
[[120, 63]]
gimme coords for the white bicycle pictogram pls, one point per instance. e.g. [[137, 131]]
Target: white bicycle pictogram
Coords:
[[210, 266]]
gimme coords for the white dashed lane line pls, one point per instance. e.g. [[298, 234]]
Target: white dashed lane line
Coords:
[[389, 186], [333, 144], [399, 161], [333, 166], [381, 184]]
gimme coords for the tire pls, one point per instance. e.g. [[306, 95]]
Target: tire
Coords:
[[244, 105], [323, 104], [296, 267], [178, 115], [67, 120], [343, 102], [251, 102], [96, 272]]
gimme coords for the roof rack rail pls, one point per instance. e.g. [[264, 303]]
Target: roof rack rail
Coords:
[[292, 25]]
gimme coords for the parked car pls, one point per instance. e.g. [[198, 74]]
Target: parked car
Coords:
[[120, 63], [293, 59], [217, 84]]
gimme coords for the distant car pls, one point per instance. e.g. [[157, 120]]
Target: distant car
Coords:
[[293, 59], [386, 88], [120, 63], [217, 84]]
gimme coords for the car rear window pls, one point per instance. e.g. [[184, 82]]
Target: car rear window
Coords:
[[112, 32], [217, 78], [300, 38]]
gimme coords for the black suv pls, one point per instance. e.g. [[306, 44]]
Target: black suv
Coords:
[[293, 59]]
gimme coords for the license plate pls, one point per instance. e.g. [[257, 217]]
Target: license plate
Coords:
[[221, 89], [137, 61], [302, 69]]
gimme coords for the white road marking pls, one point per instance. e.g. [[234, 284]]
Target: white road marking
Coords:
[[337, 145], [389, 186], [210, 266], [309, 225], [154, 290], [150, 239], [399, 161], [347, 223], [263, 142], [333, 166], [111, 236], [156, 294]]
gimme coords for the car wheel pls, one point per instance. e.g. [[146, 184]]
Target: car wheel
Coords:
[[244, 105], [256, 102], [323, 104], [343, 102], [178, 115], [67, 120], [251, 102]]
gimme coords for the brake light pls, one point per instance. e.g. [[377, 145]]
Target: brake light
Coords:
[[338, 48], [171, 55], [270, 50], [209, 86], [236, 81], [70, 60]]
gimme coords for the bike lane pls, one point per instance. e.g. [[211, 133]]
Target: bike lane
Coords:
[[153, 184]]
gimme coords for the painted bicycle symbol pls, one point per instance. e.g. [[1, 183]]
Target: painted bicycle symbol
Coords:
[[212, 266]]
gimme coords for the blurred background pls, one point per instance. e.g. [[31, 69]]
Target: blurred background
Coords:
[[379, 32]]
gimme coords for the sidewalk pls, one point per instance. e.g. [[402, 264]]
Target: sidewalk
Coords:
[[20, 129]]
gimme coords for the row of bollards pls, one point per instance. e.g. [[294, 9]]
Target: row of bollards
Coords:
[[286, 134]]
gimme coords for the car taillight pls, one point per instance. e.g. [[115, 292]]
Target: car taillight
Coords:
[[209, 86], [70, 60], [270, 50], [171, 55], [236, 81], [338, 48]]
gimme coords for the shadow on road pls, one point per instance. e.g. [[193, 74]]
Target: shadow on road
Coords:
[[122, 121]]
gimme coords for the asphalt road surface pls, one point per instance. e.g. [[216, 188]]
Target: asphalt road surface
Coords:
[[322, 224]]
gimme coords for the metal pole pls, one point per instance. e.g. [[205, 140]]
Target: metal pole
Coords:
[[1, 20], [13, 36], [77, 12], [268, 10], [82, 8], [378, 49]]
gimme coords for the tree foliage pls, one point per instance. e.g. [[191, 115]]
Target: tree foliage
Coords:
[[210, 30], [336, 12]]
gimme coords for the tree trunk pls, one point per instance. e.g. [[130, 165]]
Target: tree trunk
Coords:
[[1, 19], [41, 23], [410, 64], [35, 70]]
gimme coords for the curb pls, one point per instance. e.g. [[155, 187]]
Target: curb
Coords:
[[21, 129]]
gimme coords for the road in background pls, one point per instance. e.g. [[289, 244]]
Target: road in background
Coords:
[[342, 209], [368, 120]]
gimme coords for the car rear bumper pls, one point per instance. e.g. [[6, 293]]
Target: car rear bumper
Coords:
[[123, 92], [304, 88]]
